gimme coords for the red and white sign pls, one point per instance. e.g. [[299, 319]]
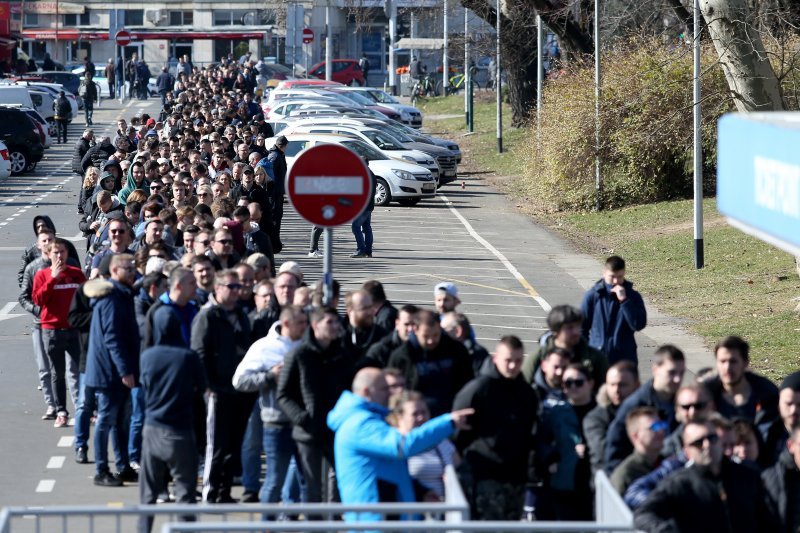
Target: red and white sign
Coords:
[[329, 185], [308, 36], [123, 37]]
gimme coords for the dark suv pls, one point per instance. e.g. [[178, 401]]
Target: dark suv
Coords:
[[21, 136]]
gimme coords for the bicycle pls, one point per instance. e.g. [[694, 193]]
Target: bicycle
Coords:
[[457, 82], [423, 87]]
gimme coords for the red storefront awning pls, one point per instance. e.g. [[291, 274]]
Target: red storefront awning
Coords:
[[74, 34]]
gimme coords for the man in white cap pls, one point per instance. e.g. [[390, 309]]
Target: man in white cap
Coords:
[[445, 297]]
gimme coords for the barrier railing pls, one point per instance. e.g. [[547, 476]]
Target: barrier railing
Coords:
[[450, 515]]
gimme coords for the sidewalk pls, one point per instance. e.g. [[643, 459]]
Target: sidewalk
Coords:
[[558, 272]]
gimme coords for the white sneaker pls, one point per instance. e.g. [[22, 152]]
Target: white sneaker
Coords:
[[315, 253]]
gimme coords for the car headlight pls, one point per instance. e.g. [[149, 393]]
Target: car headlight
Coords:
[[409, 158], [427, 162], [403, 175], [453, 147], [405, 115]]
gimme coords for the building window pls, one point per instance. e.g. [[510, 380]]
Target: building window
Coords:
[[181, 18], [77, 20], [134, 17], [31, 19], [229, 17], [235, 47]]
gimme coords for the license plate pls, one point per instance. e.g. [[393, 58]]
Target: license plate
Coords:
[[450, 173], [428, 188]]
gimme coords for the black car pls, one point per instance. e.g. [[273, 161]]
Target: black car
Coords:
[[70, 81], [21, 135]]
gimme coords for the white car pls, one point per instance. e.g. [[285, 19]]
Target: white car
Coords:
[[284, 108], [102, 84], [276, 95], [53, 89], [377, 139], [5, 162], [410, 115], [397, 180]]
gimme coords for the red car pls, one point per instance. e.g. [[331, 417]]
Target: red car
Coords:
[[345, 71]]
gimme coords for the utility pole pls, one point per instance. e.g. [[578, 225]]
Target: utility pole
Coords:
[[598, 184], [499, 86], [699, 259], [539, 69], [328, 43], [445, 60], [391, 13], [467, 75]]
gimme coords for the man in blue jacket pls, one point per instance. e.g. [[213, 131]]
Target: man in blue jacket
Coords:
[[613, 312], [112, 365], [370, 454]]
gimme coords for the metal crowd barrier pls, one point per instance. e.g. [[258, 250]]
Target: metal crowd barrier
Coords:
[[451, 515]]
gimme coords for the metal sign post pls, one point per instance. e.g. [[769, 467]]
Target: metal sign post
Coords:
[[498, 86], [328, 195], [699, 260]]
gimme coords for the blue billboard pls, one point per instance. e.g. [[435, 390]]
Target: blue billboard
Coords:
[[758, 176]]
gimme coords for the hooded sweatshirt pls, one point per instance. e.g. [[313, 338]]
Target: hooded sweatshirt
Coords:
[[130, 186], [254, 372]]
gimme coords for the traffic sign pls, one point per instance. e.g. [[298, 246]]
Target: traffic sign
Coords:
[[308, 36], [123, 37], [758, 176], [329, 185]]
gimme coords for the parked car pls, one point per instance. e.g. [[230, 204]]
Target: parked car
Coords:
[[102, 84], [43, 102], [409, 115], [397, 180], [299, 83], [69, 80], [48, 128], [363, 101], [390, 146], [444, 157], [54, 89], [22, 137], [345, 71], [5, 162]]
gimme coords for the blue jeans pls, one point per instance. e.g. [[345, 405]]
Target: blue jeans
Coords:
[[294, 488], [83, 414], [362, 229], [88, 109], [251, 451], [110, 422], [137, 421], [280, 449]]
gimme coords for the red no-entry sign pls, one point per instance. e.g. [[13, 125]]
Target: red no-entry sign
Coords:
[[329, 185], [308, 35], [123, 37]]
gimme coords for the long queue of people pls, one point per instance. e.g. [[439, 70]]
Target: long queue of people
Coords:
[[196, 354]]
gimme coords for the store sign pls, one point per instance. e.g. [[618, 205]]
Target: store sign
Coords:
[[51, 8]]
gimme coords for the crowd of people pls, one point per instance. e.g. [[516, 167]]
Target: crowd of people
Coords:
[[195, 352]]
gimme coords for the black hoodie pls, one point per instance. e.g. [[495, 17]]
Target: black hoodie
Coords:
[[32, 252], [97, 154]]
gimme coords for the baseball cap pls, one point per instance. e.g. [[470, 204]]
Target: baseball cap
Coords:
[[150, 122], [448, 287], [163, 161], [292, 268]]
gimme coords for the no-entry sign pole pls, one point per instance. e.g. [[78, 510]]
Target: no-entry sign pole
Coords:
[[328, 195]]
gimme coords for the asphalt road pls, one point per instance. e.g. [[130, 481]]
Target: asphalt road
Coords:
[[509, 273]]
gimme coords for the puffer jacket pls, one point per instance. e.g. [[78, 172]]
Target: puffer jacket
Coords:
[[220, 344], [371, 455], [81, 147], [254, 373]]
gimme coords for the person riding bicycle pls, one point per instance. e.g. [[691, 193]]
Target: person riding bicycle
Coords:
[[415, 69]]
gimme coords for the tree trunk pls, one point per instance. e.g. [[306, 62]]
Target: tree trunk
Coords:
[[751, 79], [521, 81]]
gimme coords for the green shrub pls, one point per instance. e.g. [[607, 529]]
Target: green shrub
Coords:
[[646, 139]]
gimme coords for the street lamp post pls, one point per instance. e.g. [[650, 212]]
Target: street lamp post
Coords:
[[499, 86], [598, 184], [699, 259]]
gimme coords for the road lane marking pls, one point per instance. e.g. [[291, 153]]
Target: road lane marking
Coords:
[[486, 244], [7, 308], [56, 461], [66, 441], [46, 485]]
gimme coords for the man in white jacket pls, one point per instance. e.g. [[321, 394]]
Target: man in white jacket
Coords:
[[259, 371]]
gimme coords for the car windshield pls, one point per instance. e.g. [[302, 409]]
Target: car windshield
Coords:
[[357, 98], [382, 97], [383, 140], [365, 150], [397, 133]]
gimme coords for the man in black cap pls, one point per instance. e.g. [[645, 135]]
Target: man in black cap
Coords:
[[263, 127], [278, 159], [781, 428]]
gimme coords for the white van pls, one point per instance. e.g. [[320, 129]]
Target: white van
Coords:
[[14, 94], [43, 103]]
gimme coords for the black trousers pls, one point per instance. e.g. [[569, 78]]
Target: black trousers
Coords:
[[61, 129], [226, 422], [312, 456]]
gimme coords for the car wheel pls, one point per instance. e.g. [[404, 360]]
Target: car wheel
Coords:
[[19, 162], [382, 193], [409, 202], [30, 166]]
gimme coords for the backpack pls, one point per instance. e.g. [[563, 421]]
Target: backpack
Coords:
[[266, 164], [82, 89], [63, 108], [364, 64]]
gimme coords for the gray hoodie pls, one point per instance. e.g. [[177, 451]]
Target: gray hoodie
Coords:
[[254, 373]]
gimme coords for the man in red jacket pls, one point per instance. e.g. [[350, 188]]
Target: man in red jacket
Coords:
[[53, 289]]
